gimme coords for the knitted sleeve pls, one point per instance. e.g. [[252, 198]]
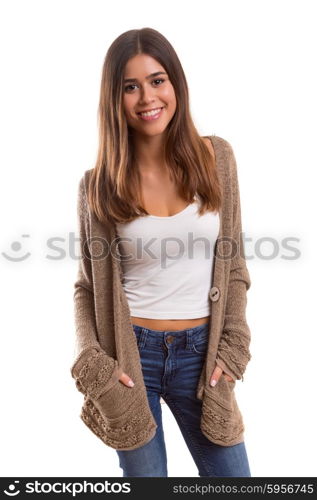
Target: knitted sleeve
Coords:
[[233, 349], [94, 371]]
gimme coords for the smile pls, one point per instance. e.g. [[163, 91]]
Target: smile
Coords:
[[154, 114]]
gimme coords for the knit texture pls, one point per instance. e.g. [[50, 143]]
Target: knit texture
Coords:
[[106, 345]]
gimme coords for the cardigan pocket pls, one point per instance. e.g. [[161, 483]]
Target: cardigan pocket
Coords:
[[134, 427], [120, 417], [222, 393], [117, 401], [95, 372], [221, 418]]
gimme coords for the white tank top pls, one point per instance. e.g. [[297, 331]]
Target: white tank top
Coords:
[[167, 263]]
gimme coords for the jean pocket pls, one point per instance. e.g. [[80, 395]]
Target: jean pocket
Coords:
[[200, 342], [138, 336]]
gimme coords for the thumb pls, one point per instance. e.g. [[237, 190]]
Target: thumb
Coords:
[[215, 376], [126, 380]]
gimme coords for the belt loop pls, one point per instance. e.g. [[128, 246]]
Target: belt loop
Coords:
[[143, 335], [189, 340]]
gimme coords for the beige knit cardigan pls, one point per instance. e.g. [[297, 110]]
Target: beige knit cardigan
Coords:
[[106, 345]]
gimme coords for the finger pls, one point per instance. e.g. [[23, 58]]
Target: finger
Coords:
[[215, 376], [126, 380], [227, 377]]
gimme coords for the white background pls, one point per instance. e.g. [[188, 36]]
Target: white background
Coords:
[[250, 67]]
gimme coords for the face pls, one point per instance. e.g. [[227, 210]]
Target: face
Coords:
[[148, 88]]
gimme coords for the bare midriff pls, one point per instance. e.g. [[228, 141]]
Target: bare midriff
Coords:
[[169, 324]]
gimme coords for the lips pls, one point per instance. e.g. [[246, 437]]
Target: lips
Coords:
[[152, 117], [148, 110]]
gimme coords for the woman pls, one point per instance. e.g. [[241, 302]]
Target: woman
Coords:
[[152, 321]]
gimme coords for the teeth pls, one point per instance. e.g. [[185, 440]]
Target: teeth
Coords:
[[151, 113]]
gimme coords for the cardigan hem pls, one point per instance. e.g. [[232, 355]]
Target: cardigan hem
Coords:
[[133, 432]]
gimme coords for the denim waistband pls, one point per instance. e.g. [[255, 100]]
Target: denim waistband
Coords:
[[179, 333], [171, 338]]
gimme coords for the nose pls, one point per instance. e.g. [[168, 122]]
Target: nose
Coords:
[[147, 94]]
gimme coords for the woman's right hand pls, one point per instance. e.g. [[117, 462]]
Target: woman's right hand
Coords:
[[126, 380]]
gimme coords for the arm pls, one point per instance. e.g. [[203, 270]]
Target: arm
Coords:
[[94, 371], [233, 350]]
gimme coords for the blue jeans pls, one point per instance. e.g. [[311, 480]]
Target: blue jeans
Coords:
[[171, 364]]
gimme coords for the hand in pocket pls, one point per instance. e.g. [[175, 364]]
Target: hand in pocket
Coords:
[[126, 380], [216, 374]]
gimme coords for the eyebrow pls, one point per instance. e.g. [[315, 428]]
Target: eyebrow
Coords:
[[147, 77]]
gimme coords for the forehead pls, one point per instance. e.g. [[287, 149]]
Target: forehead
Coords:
[[142, 66]]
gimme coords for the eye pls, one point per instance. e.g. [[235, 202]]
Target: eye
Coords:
[[159, 80], [127, 88]]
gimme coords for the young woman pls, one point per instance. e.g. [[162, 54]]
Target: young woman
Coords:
[[160, 297]]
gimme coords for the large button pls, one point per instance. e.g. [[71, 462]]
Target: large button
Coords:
[[214, 294], [169, 338]]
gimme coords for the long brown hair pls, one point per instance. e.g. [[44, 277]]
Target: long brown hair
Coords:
[[114, 193]]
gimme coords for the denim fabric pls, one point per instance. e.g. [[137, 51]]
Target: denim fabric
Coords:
[[171, 365]]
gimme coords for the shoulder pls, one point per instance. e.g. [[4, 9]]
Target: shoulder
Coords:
[[219, 147], [87, 175], [209, 145], [226, 161], [220, 144], [84, 180], [82, 189], [224, 151]]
